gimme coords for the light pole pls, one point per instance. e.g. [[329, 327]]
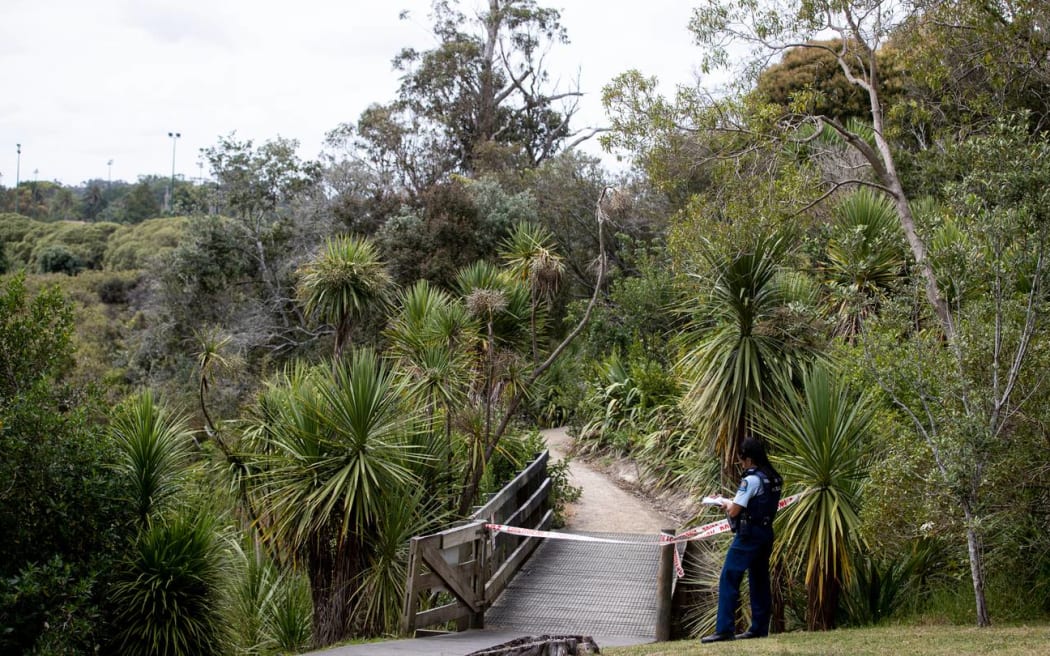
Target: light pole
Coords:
[[18, 171], [109, 174], [171, 187]]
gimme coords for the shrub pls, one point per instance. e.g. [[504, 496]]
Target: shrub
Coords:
[[58, 259], [49, 609], [168, 592]]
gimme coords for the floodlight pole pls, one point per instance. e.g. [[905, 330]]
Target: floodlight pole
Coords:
[[18, 171], [171, 187]]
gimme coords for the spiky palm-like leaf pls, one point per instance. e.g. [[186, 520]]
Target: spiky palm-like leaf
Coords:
[[168, 593], [344, 281], [865, 255], [739, 354], [818, 438], [154, 448], [288, 618], [332, 448], [510, 319], [879, 588], [257, 581], [381, 586], [337, 446], [529, 252], [413, 325], [269, 609]]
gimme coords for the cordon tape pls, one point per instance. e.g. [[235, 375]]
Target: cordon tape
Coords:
[[696, 533]]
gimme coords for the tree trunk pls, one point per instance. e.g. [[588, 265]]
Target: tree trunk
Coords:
[[973, 545], [820, 613], [332, 569], [777, 579]]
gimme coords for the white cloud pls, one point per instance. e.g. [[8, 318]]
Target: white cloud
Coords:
[[86, 82]]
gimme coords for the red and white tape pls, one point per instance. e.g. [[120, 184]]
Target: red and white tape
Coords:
[[697, 533], [678, 569], [533, 533]]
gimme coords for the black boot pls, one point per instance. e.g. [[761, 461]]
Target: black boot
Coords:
[[747, 635]]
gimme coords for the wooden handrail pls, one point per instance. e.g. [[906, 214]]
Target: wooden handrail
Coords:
[[464, 563]]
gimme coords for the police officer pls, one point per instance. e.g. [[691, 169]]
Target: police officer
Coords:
[[751, 514]]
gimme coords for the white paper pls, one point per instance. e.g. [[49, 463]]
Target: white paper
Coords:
[[712, 501]]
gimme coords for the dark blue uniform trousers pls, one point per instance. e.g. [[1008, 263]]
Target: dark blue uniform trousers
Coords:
[[748, 553]]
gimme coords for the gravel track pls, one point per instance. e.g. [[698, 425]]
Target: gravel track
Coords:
[[604, 506]]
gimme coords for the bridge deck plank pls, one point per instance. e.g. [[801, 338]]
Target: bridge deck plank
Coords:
[[583, 588]]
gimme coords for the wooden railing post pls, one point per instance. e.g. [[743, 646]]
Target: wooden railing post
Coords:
[[664, 588], [464, 562], [408, 615], [477, 620]]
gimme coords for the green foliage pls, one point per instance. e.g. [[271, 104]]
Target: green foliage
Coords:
[[332, 450], [493, 295], [141, 203], [154, 450], [345, 281], [531, 258], [59, 511], [752, 335], [169, 592], [269, 610], [14, 228], [559, 391], [467, 88], [139, 245], [949, 96], [458, 223], [638, 310], [58, 259], [819, 435], [737, 209], [204, 280], [49, 609], [381, 586], [811, 80], [254, 182], [69, 247], [64, 246], [629, 390], [35, 337], [878, 590], [289, 621], [530, 255], [563, 191], [865, 257]]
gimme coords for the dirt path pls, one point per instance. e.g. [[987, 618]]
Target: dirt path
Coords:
[[603, 506]]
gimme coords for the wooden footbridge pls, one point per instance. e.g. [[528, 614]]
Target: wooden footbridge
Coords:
[[469, 587]]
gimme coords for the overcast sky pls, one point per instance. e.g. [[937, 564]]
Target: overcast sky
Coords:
[[89, 81]]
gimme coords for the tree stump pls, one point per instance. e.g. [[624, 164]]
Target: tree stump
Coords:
[[544, 645]]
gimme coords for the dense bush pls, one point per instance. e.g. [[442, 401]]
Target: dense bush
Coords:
[[169, 592], [56, 258], [62, 523], [138, 245]]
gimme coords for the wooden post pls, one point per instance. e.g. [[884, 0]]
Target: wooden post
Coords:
[[477, 620], [664, 587], [408, 615]]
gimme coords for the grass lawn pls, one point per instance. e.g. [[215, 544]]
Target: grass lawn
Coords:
[[881, 641]]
